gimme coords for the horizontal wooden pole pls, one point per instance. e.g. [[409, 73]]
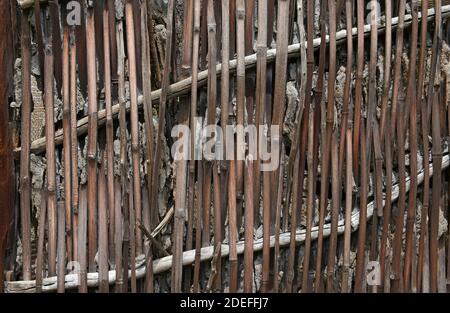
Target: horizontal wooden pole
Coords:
[[183, 87], [165, 264]]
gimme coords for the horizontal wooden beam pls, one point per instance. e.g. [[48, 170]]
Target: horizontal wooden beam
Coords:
[[183, 87], [165, 264]]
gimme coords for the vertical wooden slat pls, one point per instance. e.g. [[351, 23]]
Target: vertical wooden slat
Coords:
[[92, 137], [50, 148], [25, 182]]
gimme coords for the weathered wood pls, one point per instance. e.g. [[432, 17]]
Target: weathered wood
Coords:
[[109, 167], [335, 207], [122, 229], [425, 146], [412, 101], [346, 145], [184, 86], [61, 253], [326, 145], [67, 142], [131, 48], [197, 206], [102, 255], [50, 150], [233, 228], [434, 103], [363, 217], [41, 239], [74, 142], [240, 107], [25, 182], [266, 242], [206, 253], [249, 231], [388, 204], [92, 139], [162, 110]]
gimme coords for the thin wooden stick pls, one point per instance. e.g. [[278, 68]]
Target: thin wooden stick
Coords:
[[301, 129], [121, 231], [250, 77], [291, 257], [131, 239], [198, 231], [424, 128], [186, 69], [67, 143], [103, 227], [327, 143], [134, 119], [240, 106], [109, 128], [348, 153], [225, 86], [179, 219], [447, 101], [50, 149], [92, 139], [397, 62], [387, 67], [412, 99], [276, 262], [318, 101], [149, 132], [25, 183], [358, 87], [249, 219], [82, 243], [261, 80], [335, 182], [347, 86], [74, 141], [388, 203], [361, 255], [198, 227], [181, 168], [372, 88], [396, 284], [61, 247], [378, 176], [41, 239], [232, 227], [309, 203], [162, 112], [348, 211], [260, 95], [39, 37], [217, 225], [434, 103]]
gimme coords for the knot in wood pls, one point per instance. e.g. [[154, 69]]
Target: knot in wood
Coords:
[[240, 14]]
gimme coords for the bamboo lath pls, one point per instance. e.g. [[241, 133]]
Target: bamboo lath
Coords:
[[356, 176]]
